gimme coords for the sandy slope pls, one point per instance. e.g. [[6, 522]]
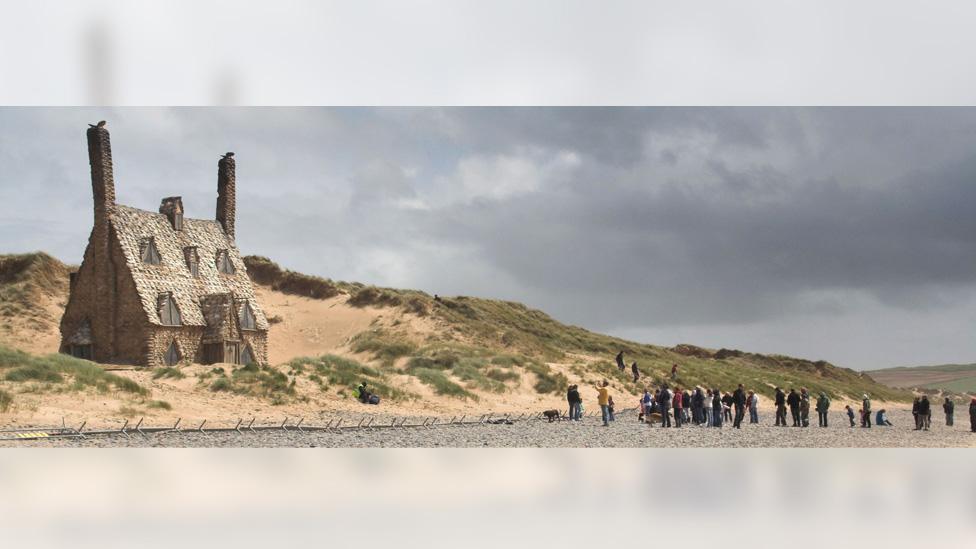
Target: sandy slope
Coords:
[[301, 327]]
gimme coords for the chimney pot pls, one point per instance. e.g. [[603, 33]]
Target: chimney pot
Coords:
[[172, 208]]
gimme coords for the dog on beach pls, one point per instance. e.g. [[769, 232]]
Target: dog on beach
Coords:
[[551, 415]]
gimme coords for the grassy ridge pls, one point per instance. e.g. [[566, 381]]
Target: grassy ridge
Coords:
[[492, 328]]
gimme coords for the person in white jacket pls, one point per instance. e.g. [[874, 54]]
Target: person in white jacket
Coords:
[[753, 407]]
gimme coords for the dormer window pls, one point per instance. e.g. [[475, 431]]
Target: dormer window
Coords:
[[169, 313], [248, 322], [224, 263], [192, 257], [149, 252]]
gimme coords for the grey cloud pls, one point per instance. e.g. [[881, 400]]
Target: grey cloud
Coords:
[[669, 222]]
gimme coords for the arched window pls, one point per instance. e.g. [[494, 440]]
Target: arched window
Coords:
[[224, 263], [248, 322], [247, 356], [172, 356], [169, 313], [149, 252]]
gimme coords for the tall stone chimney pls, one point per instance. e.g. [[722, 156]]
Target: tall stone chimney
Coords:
[[103, 181], [226, 193], [101, 291]]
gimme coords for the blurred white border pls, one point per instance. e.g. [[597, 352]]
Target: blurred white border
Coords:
[[473, 52], [486, 498]]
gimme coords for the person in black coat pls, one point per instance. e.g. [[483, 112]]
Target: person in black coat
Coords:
[[972, 415], [793, 400], [620, 361], [918, 420], [727, 406], [717, 408], [573, 397], [780, 407], [698, 406], [739, 401], [949, 408], [924, 411], [635, 371]]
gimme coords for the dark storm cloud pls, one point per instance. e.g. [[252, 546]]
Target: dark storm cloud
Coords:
[[678, 223]]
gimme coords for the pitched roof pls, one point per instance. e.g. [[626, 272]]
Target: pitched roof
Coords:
[[132, 226]]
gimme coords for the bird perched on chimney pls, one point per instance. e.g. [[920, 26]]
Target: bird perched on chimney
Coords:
[[228, 155], [101, 124]]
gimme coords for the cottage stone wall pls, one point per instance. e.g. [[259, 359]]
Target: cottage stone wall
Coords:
[[187, 341]]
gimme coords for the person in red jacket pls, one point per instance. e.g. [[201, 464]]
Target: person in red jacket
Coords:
[[677, 407]]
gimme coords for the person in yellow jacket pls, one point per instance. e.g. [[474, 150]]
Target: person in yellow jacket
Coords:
[[603, 399]]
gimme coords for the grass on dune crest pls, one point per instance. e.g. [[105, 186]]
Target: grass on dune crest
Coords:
[[499, 328]]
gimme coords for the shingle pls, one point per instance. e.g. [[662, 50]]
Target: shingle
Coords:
[[131, 225]]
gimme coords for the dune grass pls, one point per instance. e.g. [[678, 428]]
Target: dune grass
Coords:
[[62, 371], [260, 381], [442, 384], [167, 373], [6, 400], [382, 345], [267, 273], [343, 375]]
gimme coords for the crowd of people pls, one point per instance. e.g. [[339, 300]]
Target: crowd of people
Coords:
[[676, 407]]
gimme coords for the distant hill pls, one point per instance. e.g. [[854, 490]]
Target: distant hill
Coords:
[[955, 378]]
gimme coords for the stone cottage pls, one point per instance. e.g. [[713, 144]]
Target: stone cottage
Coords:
[[155, 288]]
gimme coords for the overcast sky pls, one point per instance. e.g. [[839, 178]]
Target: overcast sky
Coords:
[[844, 234]]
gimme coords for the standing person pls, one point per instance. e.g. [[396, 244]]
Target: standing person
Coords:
[[635, 371], [866, 404], [727, 406], [685, 406], [739, 401], [753, 407], [620, 361], [804, 407], [674, 371], [646, 407], [573, 397], [698, 401], [603, 399], [678, 404], [664, 406], [610, 408], [823, 404], [850, 414], [949, 408], [972, 415], [707, 408], [918, 421], [780, 407], [717, 407], [925, 412], [793, 400]]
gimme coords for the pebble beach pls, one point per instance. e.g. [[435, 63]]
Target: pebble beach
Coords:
[[625, 432]]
